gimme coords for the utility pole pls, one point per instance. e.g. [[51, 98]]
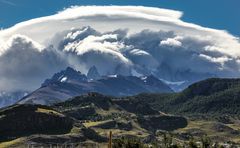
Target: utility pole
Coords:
[[110, 140]]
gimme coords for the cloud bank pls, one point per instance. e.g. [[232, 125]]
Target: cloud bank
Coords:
[[127, 40]]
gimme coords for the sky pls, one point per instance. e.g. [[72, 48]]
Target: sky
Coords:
[[218, 14]]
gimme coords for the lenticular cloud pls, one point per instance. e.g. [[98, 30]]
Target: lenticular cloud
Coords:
[[126, 40]]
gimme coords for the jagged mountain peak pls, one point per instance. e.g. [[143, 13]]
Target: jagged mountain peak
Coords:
[[93, 73], [70, 70], [67, 75]]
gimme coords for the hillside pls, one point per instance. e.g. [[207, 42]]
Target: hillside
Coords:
[[97, 107], [82, 119], [24, 120], [212, 97]]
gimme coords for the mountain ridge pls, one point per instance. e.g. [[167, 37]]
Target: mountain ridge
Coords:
[[69, 83]]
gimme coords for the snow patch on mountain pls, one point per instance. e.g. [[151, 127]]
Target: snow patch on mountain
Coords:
[[64, 79]]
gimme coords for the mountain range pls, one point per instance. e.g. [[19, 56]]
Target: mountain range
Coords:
[[69, 83]]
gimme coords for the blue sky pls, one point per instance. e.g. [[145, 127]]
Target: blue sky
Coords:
[[219, 14]]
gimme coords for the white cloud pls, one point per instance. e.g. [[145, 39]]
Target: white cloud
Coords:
[[21, 41], [139, 52], [126, 38], [99, 50], [108, 18], [142, 59], [220, 60], [24, 64], [171, 42]]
